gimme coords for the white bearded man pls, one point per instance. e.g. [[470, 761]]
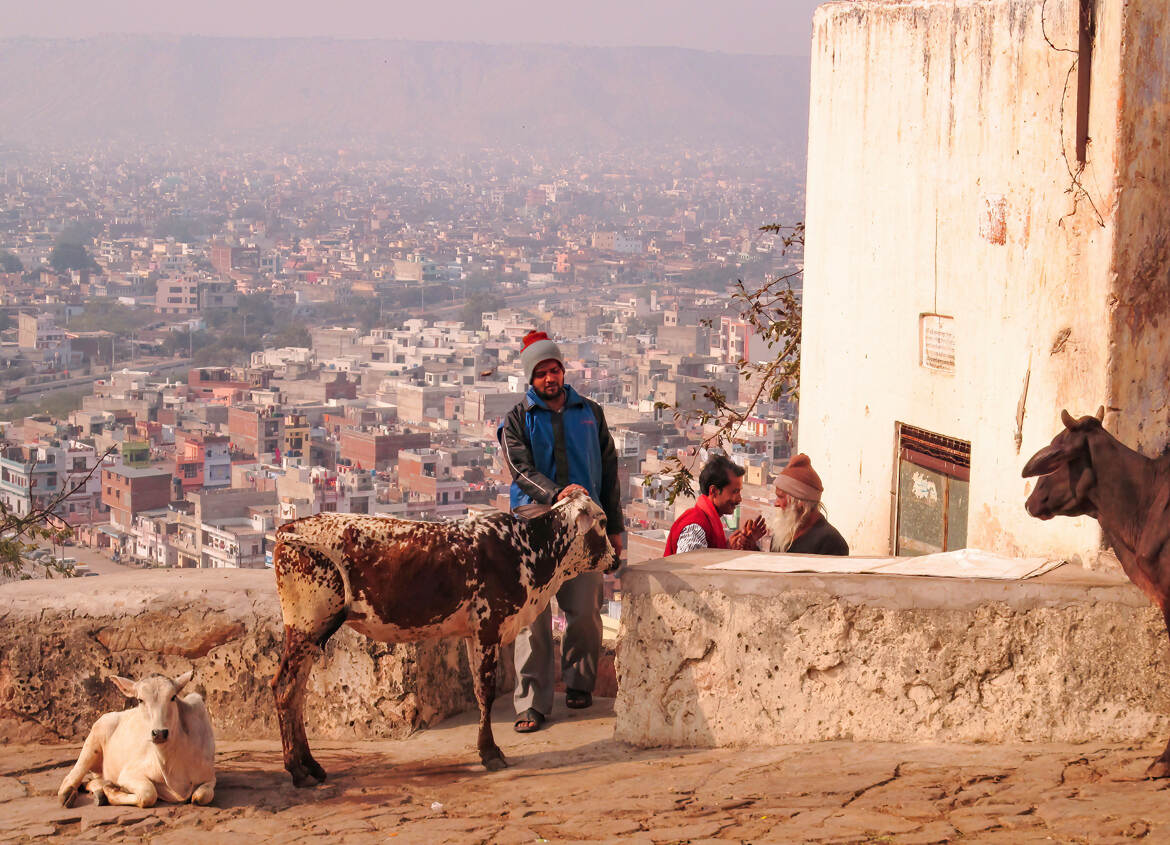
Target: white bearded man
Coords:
[[799, 525]]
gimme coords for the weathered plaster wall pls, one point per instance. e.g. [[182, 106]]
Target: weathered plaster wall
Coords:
[[717, 659], [1140, 351], [926, 118], [61, 640]]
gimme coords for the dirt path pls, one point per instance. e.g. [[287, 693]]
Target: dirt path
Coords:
[[573, 783]]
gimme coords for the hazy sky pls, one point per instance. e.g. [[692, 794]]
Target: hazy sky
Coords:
[[733, 26]]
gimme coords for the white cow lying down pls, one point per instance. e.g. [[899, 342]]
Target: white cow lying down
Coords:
[[161, 749]]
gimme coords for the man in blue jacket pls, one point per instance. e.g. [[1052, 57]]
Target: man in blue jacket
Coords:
[[556, 443]]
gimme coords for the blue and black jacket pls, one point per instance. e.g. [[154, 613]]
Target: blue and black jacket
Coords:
[[549, 450]]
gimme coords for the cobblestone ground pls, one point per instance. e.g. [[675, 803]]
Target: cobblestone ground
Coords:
[[572, 783]]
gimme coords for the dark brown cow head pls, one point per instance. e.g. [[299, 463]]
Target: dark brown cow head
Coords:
[[1065, 467]]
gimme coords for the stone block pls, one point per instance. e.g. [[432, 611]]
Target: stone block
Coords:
[[711, 658], [60, 640]]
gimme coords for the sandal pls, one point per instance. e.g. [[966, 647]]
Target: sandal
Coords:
[[576, 699], [528, 722]]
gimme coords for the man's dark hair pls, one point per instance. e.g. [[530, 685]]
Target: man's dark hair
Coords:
[[718, 473]]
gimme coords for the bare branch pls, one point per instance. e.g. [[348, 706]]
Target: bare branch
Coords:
[[773, 310]]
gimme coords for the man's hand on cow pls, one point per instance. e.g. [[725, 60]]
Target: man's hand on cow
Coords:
[[571, 490]]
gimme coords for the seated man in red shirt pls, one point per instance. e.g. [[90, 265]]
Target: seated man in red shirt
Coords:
[[701, 527]]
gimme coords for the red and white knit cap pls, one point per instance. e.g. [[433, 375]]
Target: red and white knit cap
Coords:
[[538, 348]]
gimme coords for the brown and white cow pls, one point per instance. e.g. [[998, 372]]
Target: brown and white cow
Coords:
[[1085, 470], [484, 578], [163, 748]]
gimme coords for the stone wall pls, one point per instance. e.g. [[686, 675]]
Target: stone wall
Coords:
[[60, 641], [727, 658]]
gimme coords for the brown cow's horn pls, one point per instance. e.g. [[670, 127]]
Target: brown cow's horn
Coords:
[[1101, 413], [1068, 421]]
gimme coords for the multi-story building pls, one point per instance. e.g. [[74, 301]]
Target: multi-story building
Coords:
[[218, 384], [355, 491], [152, 534], [303, 491], [231, 543], [378, 448], [128, 491], [296, 435], [488, 403], [16, 484], [427, 483], [77, 468], [217, 294], [39, 331], [226, 258], [416, 403], [256, 430], [739, 341], [177, 296], [202, 460]]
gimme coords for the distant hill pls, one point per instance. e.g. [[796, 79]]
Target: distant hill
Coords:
[[198, 89]]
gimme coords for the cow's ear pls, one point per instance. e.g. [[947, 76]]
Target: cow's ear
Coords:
[[1045, 461], [183, 680], [533, 511], [585, 522], [124, 685]]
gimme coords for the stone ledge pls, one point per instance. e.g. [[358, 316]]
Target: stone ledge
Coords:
[[715, 658], [60, 640]]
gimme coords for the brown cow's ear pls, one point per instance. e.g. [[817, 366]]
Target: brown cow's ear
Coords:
[[1066, 418], [533, 511], [1085, 483], [1045, 461]]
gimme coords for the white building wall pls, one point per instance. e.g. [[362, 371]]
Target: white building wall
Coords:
[[937, 182]]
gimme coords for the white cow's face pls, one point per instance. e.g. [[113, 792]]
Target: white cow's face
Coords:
[[158, 702], [590, 549]]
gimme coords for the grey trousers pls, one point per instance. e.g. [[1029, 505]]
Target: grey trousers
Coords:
[[580, 601]]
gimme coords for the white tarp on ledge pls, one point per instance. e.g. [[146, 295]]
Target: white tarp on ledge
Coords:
[[961, 563]]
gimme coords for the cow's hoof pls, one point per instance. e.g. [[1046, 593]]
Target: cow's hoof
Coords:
[[203, 795], [495, 764], [1158, 769], [314, 768], [303, 780], [67, 797]]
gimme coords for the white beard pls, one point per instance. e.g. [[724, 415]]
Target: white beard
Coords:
[[782, 525]]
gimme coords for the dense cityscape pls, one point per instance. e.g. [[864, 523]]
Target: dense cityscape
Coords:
[[244, 339]]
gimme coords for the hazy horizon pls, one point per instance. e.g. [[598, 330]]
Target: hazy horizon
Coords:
[[387, 39], [752, 27], [455, 95]]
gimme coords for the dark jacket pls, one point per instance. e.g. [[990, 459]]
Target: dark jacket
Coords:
[[820, 539], [547, 451]]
